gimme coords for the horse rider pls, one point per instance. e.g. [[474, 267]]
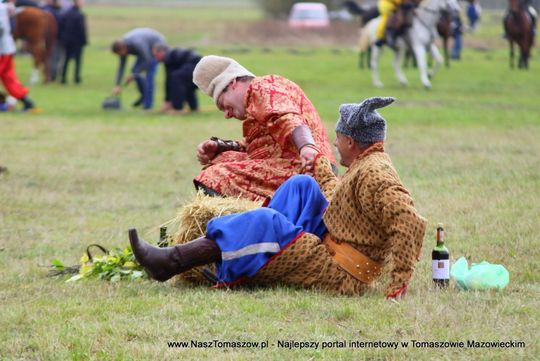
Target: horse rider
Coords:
[[530, 10], [386, 9]]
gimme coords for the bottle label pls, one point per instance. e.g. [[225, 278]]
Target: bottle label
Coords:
[[440, 269]]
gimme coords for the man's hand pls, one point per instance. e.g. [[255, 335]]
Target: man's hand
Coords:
[[166, 107], [307, 155], [206, 151], [116, 90]]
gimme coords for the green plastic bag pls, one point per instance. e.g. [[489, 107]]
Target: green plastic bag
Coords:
[[481, 276]]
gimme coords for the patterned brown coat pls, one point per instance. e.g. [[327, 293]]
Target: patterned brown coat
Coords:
[[370, 209]]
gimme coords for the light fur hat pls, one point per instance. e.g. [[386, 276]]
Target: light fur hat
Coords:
[[213, 73], [362, 122]]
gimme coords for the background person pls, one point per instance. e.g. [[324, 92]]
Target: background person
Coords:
[[7, 62], [179, 87], [138, 42], [456, 33], [386, 9], [473, 14], [7, 103], [73, 36], [56, 57]]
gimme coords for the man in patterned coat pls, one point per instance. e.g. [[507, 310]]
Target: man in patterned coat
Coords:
[[282, 131], [332, 235]]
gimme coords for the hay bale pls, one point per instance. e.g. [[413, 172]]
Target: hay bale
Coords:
[[192, 219]]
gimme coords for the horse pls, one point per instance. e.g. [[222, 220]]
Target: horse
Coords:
[[420, 36], [38, 29], [518, 27], [367, 13], [444, 29]]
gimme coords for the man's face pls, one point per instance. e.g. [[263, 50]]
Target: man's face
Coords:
[[159, 55], [344, 145], [122, 51], [231, 100]]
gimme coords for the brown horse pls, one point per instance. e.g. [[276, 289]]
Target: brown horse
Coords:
[[444, 28], [38, 29], [518, 26]]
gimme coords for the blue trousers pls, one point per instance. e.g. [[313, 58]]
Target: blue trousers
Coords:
[[146, 84], [249, 240], [456, 49]]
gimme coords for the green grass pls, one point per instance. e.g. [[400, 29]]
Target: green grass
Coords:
[[468, 150]]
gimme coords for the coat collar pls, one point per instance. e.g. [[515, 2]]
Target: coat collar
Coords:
[[374, 148]]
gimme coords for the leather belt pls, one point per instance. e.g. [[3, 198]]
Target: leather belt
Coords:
[[352, 260]]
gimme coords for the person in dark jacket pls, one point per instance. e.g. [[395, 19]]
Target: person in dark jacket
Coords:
[[179, 87], [73, 37], [138, 42], [457, 31]]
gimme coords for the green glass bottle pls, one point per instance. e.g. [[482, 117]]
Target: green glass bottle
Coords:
[[440, 260]]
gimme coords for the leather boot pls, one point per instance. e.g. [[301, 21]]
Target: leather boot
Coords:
[[163, 263]]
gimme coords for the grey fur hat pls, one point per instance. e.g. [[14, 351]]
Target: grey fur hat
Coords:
[[362, 122]]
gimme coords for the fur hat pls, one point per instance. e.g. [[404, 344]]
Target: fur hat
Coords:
[[362, 122], [213, 73]]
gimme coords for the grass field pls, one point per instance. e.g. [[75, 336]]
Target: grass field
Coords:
[[468, 150]]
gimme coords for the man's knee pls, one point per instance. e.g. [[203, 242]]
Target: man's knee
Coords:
[[302, 181]]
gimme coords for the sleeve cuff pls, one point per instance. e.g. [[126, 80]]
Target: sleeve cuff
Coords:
[[399, 292]]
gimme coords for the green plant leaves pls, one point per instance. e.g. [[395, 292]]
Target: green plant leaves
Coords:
[[58, 265], [118, 264]]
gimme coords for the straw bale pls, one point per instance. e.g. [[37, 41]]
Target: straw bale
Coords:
[[192, 219]]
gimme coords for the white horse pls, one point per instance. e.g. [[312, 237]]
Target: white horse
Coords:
[[419, 37]]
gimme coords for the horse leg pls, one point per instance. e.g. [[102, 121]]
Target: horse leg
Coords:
[[420, 54], [527, 45], [46, 69], [525, 56], [445, 48], [437, 57], [363, 58], [36, 51], [511, 42], [521, 59], [398, 55], [528, 52], [43, 61], [374, 64]]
